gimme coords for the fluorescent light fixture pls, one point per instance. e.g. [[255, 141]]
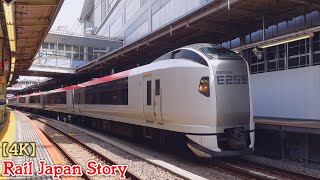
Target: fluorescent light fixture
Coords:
[[286, 41], [8, 12], [12, 68], [13, 60], [10, 78], [12, 46], [10, 29]]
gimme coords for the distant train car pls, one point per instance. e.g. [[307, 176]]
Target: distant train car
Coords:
[[201, 90], [35, 101], [22, 101]]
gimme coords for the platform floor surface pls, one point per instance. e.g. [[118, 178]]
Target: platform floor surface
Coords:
[[299, 123], [19, 129]]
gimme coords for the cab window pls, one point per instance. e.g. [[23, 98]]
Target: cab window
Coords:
[[176, 54], [221, 52], [193, 56]]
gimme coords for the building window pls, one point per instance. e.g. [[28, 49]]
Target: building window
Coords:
[[45, 46], [90, 53], [52, 46], [272, 58], [61, 47], [76, 49], [82, 53], [281, 57], [104, 8], [316, 48], [256, 64], [90, 57], [68, 47], [298, 54]]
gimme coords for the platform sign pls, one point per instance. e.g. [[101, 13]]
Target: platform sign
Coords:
[[8, 2]]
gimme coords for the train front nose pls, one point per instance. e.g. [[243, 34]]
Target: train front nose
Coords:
[[231, 117], [234, 116], [232, 95]]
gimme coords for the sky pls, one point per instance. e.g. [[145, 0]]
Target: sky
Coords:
[[68, 15]]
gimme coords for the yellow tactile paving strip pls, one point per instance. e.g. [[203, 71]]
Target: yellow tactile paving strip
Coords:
[[7, 134]]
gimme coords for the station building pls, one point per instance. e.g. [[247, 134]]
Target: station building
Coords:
[[284, 79], [279, 39], [63, 51], [132, 19]]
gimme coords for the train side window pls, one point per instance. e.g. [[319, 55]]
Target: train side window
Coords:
[[57, 98], [34, 99], [149, 93], [112, 93], [22, 100], [157, 87], [187, 54]]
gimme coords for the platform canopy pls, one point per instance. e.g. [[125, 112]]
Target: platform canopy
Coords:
[[216, 22], [32, 20]]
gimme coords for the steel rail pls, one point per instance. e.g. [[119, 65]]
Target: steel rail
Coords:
[[73, 162], [129, 175], [275, 170]]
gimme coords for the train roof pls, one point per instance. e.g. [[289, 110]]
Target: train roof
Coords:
[[198, 46], [112, 77]]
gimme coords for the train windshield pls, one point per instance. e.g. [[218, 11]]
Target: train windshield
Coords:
[[221, 52]]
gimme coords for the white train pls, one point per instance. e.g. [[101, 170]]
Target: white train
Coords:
[[200, 90]]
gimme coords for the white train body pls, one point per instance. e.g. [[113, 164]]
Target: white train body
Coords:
[[207, 98]]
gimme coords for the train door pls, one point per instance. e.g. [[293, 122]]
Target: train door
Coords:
[[157, 99], [148, 99], [72, 101], [76, 100]]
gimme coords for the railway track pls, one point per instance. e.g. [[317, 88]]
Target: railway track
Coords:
[[243, 169], [77, 152], [253, 170], [274, 170]]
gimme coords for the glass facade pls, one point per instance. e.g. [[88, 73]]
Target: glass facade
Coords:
[[132, 19], [65, 55], [291, 55]]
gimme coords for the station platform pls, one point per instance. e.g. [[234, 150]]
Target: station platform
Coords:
[[294, 139], [19, 128], [288, 125]]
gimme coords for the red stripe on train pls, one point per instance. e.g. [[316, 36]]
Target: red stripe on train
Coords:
[[112, 77]]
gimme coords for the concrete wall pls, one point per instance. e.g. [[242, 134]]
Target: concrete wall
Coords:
[[293, 93]]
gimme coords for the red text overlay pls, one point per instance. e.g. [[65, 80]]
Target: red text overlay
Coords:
[[93, 168]]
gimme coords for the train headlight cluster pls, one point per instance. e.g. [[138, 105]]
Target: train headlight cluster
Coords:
[[204, 86]]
